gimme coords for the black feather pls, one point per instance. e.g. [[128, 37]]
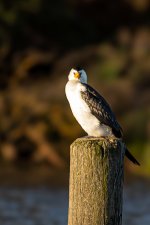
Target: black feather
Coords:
[[131, 157], [78, 68], [101, 109]]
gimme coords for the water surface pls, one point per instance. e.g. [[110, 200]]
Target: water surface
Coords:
[[43, 206]]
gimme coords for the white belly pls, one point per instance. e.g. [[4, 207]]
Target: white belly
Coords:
[[82, 113]]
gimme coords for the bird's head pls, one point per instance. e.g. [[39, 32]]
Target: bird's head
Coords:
[[78, 75]]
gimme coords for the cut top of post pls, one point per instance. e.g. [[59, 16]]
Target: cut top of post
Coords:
[[103, 146]]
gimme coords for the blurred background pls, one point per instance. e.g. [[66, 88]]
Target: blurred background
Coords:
[[40, 41]]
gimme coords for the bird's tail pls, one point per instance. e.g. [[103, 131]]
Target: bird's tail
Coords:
[[131, 157]]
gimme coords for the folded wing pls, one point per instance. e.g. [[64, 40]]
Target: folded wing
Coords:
[[101, 109]]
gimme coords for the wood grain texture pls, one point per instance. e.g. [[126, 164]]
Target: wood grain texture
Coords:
[[96, 182]]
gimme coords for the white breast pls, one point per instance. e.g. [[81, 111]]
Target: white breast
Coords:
[[82, 112]]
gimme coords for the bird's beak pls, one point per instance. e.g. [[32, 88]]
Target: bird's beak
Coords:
[[77, 75]]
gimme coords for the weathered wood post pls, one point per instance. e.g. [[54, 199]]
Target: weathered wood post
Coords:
[[96, 180]]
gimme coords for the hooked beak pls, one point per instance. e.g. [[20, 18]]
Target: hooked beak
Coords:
[[77, 75]]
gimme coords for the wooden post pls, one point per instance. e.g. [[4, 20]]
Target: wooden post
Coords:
[[96, 180]]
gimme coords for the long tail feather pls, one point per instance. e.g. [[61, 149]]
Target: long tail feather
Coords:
[[131, 157]]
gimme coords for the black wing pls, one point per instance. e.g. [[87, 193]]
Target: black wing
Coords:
[[101, 109]]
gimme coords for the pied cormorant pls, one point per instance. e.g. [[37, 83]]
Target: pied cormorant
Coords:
[[91, 110]]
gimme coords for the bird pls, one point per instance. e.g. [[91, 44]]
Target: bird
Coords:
[[91, 110]]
